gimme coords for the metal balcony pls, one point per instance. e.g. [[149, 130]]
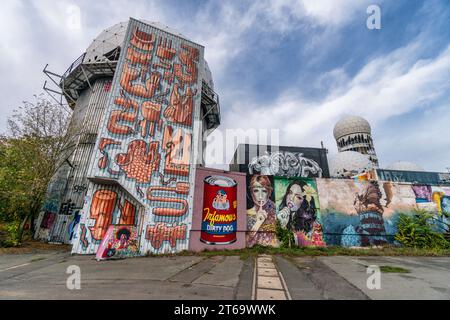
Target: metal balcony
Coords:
[[210, 107]]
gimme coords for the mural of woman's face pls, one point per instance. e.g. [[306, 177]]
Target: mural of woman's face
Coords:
[[259, 193], [294, 197]]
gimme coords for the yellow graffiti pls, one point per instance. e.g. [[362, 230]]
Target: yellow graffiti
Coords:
[[214, 217]]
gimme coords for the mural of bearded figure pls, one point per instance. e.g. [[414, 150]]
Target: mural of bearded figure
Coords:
[[368, 206]]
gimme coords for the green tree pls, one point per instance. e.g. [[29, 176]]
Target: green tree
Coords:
[[29, 154]]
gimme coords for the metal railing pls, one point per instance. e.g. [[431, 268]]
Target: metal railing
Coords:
[[74, 65]]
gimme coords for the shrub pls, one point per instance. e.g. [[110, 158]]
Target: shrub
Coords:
[[415, 230], [9, 235], [285, 236]]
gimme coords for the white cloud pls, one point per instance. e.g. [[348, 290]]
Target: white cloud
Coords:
[[390, 85]]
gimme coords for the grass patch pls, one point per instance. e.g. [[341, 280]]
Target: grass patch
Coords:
[[323, 251], [390, 269]]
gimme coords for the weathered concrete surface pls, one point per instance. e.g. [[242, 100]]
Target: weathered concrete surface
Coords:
[[43, 276], [181, 277], [308, 278], [429, 277], [226, 273]]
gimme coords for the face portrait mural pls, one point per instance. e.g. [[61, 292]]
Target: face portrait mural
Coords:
[[297, 212], [261, 217], [220, 201]]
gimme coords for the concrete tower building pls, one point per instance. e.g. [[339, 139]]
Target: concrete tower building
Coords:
[[353, 133], [142, 99]]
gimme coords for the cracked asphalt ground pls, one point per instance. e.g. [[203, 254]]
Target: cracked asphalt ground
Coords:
[[43, 276]]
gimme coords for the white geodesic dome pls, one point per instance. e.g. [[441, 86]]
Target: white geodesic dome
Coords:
[[349, 163], [351, 125]]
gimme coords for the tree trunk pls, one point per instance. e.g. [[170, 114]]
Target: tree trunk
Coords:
[[21, 227]]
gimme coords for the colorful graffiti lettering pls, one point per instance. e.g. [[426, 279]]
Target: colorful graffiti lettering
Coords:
[[161, 232]]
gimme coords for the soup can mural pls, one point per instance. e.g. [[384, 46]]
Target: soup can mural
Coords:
[[219, 220]]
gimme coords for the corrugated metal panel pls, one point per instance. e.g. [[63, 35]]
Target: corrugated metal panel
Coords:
[[149, 137], [69, 184]]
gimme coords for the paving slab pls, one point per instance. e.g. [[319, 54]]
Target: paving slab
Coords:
[[267, 272], [267, 294], [266, 265], [269, 283]]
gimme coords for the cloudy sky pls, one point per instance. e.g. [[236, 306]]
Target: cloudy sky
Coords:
[[293, 65]]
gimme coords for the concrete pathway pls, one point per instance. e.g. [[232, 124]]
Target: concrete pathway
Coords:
[[268, 283], [44, 276]]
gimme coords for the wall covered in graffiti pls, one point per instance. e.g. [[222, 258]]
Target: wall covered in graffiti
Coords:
[[339, 212], [362, 213], [280, 161], [291, 203], [146, 145], [219, 219]]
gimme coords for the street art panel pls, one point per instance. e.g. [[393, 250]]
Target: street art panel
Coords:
[[440, 205], [219, 216], [285, 164], [120, 241], [146, 141], [298, 210], [219, 219], [362, 213], [108, 207], [261, 211]]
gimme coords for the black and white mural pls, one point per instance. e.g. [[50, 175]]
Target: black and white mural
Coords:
[[281, 161], [285, 164]]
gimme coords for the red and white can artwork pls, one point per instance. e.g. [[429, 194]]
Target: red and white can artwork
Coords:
[[219, 219]]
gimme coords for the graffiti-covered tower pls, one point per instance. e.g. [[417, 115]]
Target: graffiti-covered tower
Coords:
[[353, 133], [143, 101]]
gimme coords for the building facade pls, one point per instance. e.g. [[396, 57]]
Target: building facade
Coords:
[[143, 100]]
